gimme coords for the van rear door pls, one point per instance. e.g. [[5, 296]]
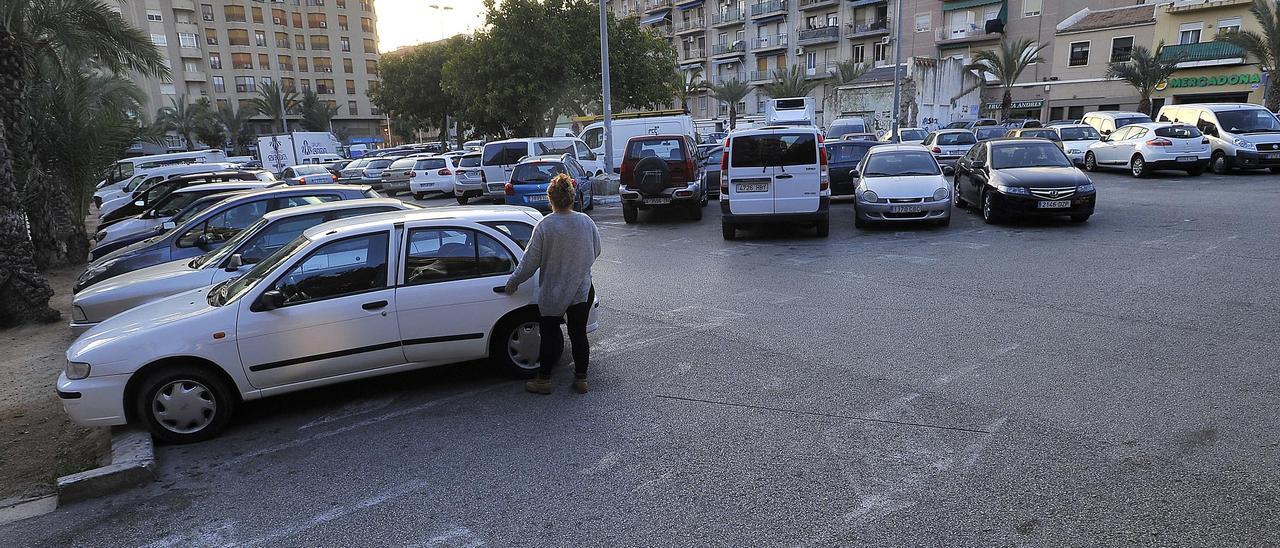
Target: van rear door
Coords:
[[750, 174], [798, 176], [775, 172], [499, 159]]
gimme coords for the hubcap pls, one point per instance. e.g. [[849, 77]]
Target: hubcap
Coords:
[[524, 344], [986, 205], [184, 406], [1137, 166]]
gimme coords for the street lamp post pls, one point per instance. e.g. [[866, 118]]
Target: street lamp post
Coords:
[[441, 7], [897, 77], [604, 85]]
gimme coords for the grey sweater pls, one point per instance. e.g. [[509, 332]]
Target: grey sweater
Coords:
[[562, 246]]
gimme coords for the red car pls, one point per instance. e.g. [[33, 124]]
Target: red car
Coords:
[[661, 171]]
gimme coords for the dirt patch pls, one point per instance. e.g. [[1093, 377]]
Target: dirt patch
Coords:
[[38, 442]]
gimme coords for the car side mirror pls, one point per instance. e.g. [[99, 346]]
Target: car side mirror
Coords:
[[855, 173], [234, 263], [948, 170], [270, 300], [977, 164], [168, 225]]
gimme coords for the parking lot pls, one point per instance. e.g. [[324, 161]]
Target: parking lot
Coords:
[[1037, 383]]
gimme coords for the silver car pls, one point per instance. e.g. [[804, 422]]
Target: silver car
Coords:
[[900, 183], [948, 145], [470, 178]]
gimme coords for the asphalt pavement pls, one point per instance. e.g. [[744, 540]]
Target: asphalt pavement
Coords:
[[1038, 383]]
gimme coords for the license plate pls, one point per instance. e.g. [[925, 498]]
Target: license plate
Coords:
[[1053, 204], [657, 200], [906, 209], [1187, 158], [1272, 155], [537, 198], [753, 187]]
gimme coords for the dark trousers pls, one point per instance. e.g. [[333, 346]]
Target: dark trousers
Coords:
[[553, 342]]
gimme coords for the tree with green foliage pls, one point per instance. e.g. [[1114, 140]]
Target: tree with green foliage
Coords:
[[1006, 65], [412, 85], [688, 84], [731, 92], [183, 118], [235, 122], [1263, 46], [316, 114], [1144, 71], [792, 82], [275, 102]]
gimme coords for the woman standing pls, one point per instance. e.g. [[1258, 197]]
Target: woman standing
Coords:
[[562, 247]]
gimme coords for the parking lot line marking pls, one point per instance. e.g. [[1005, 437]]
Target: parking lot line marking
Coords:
[[336, 513], [826, 415], [468, 539], [609, 460], [347, 411]]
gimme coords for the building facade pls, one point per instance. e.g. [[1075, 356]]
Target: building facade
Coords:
[[1209, 71], [1085, 44], [224, 49]]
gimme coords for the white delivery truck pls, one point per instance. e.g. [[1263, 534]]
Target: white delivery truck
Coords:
[[791, 111], [300, 147], [626, 126]]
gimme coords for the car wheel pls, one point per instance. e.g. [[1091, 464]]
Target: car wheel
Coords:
[[989, 214], [1090, 162], [695, 211], [728, 231], [419, 195], [955, 194], [462, 200], [185, 404], [1218, 163], [516, 343], [945, 221], [1080, 218], [1138, 166], [629, 214], [824, 228], [858, 221]]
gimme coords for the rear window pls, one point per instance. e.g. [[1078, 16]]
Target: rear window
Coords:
[[552, 148], [310, 170], [913, 134], [430, 163], [1178, 132], [846, 153], [957, 138], [470, 160], [536, 174], [402, 164], [1079, 134], [667, 149], [1042, 134], [1121, 122], [379, 163], [503, 154], [786, 149], [839, 129]]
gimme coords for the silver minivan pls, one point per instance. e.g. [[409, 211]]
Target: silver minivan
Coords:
[[775, 174], [1241, 135]]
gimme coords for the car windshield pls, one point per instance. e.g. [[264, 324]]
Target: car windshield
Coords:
[[1121, 122], [1027, 154], [225, 292], [913, 134], [174, 203], [133, 183], [1079, 134], [667, 149], [379, 163], [470, 160], [957, 138], [1254, 120], [1178, 132], [900, 163], [357, 164], [217, 255], [1042, 134], [988, 132], [847, 153], [536, 174], [786, 149]]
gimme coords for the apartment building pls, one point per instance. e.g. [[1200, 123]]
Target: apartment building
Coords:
[[1086, 43], [717, 40], [1209, 71], [224, 49]]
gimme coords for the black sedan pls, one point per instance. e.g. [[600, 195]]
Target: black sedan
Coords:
[[842, 158], [1022, 178]]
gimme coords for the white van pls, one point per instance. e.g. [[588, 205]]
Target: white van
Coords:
[[1108, 121], [1241, 135], [112, 198], [625, 129], [775, 174], [125, 169], [499, 158]]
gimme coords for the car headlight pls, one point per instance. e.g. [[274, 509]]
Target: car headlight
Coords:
[[1085, 188], [1013, 190], [76, 370], [98, 269], [101, 235], [940, 194], [870, 196], [1244, 144]]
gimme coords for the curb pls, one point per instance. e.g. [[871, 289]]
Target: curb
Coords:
[[133, 463], [605, 200]]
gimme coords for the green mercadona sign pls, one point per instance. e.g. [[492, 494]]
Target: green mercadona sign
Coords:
[[1219, 80]]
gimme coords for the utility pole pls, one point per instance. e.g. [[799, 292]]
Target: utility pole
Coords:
[[604, 81], [897, 76]]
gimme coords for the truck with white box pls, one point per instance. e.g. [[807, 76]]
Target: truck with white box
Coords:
[[300, 147]]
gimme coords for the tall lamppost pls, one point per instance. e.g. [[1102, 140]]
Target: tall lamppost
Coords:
[[897, 77], [606, 103], [441, 8]]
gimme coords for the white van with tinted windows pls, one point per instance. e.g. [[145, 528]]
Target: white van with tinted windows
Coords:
[[499, 158], [1241, 135], [775, 174]]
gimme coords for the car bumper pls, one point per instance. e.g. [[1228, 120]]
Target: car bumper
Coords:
[[822, 214], [524, 200], [78, 327], [1174, 164], [1077, 158], [1024, 206], [496, 191], [676, 196], [446, 188], [880, 212], [946, 160], [1252, 160], [468, 190], [395, 186], [94, 401]]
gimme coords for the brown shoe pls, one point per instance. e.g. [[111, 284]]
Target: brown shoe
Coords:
[[538, 385], [580, 385]]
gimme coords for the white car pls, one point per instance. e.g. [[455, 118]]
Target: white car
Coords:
[[114, 199], [906, 136], [1143, 148], [1076, 140], [169, 206], [275, 229], [348, 299], [420, 176], [775, 174], [900, 183], [308, 174]]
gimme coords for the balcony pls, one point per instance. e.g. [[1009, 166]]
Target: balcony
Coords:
[[974, 33], [724, 50], [184, 5], [820, 71], [1203, 54], [726, 18], [869, 28], [725, 78], [768, 8], [190, 53], [194, 76], [819, 35], [815, 4], [655, 5], [759, 76], [693, 54], [1180, 6], [692, 25], [765, 43], [860, 3]]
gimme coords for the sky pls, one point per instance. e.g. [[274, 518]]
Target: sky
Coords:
[[407, 22]]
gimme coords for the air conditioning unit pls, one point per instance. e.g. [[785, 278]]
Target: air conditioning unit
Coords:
[[277, 20], [324, 24], [800, 50]]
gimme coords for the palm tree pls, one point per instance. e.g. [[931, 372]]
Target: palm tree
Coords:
[[316, 114], [690, 84], [1006, 65], [235, 121], [271, 97], [1144, 70], [1264, 46], [24, 293], [183, 119], [790, 83], [732, 92]]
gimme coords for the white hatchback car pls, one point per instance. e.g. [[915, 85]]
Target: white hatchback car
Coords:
[[897, 183], [347, 299], [1143, 148]]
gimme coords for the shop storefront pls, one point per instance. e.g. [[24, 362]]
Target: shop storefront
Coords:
[[1234, 84], [1018, 110]]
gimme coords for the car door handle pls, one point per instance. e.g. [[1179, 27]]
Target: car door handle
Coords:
[[783, 176], [375, 305], [500, 289]]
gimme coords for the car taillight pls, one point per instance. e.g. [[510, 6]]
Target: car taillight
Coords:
[[1160, 143], [724, 159], [299, 180], [510, 190], [688, 166], [411, 173], [444, 172], [936, 150], [574, 183], [624, 173]]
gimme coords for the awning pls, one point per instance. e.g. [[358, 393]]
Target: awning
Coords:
[[689, 5], [691, 66], [655, 17], [965, 4], [856, 3], [725, 61], [769, 19]]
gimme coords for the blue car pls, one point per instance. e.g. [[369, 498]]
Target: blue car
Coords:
[[529, 180]]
